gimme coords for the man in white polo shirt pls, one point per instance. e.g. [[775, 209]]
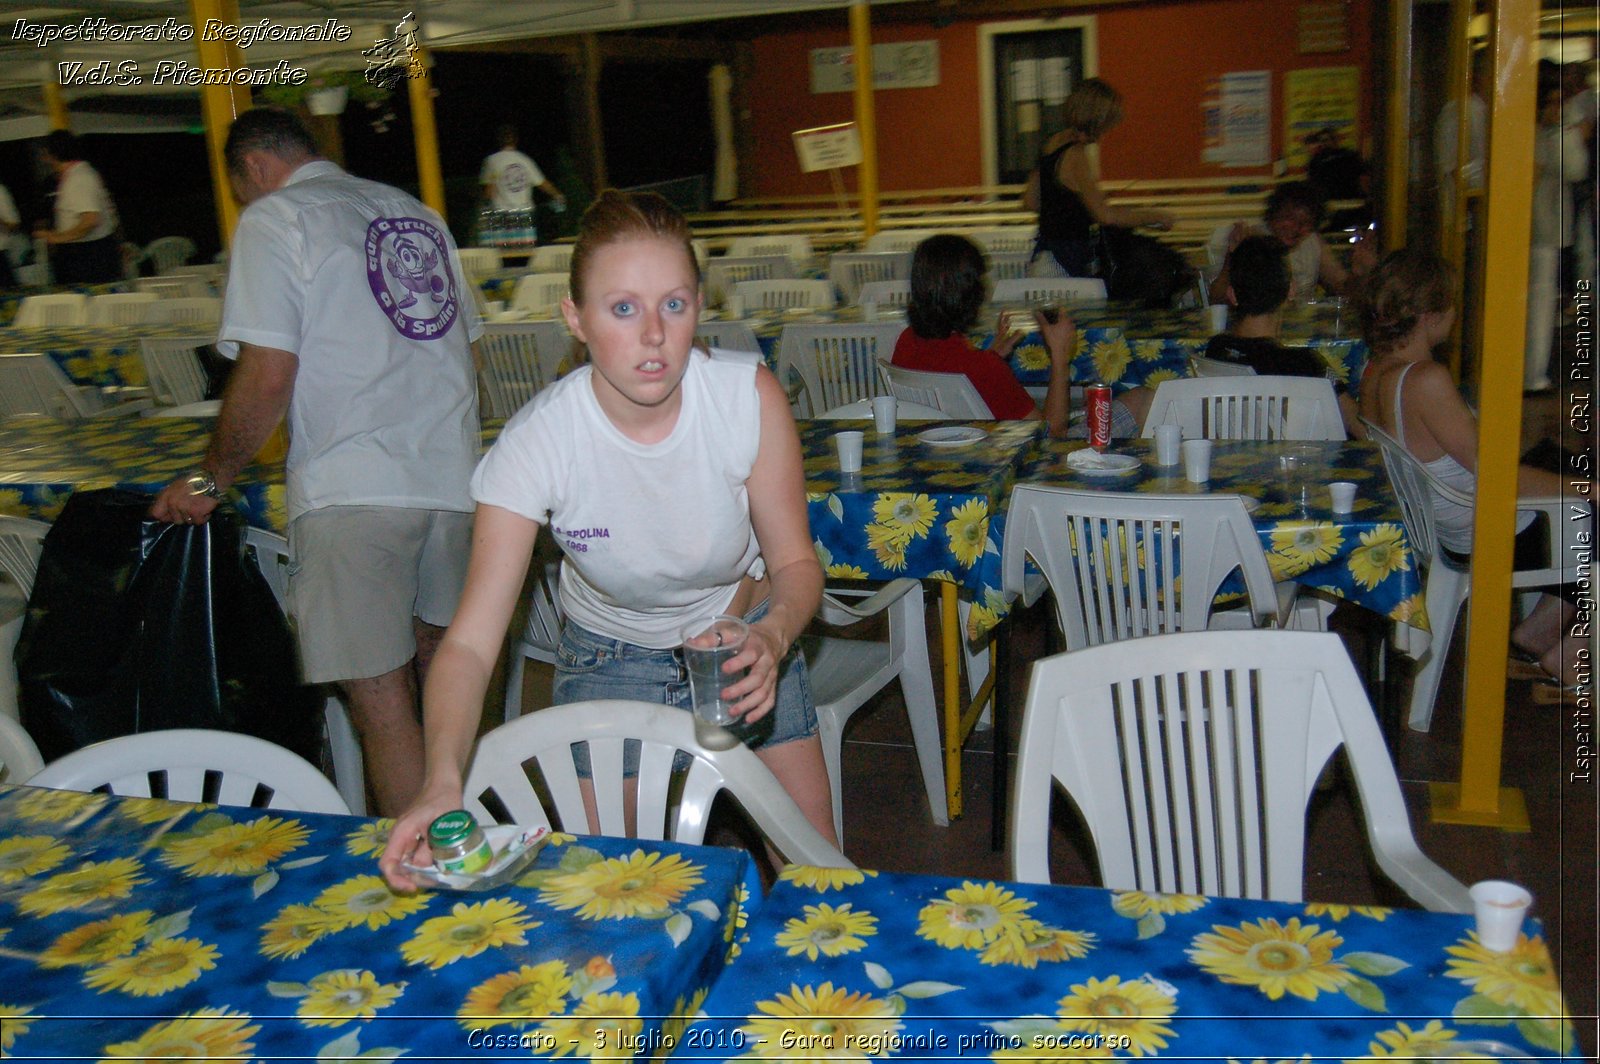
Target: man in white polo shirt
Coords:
[[83, 242], [345, 309], [509, 178]]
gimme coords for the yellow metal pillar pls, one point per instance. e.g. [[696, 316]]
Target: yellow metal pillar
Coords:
[[1479, 798], [1397, 147], [430, 178], [54, 104], [219, 104], [866, 120]]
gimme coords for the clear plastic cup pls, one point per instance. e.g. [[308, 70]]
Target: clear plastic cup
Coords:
[[709, 643]]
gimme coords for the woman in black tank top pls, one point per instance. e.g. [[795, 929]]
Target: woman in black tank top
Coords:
[[1063, 188]]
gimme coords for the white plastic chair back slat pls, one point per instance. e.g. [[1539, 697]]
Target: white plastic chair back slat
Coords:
[[904, 410], [479, 262], [172, 366], [541, 636], [1192, 757], [1110, 558], [838, 363], [499, 790], [196, 765], [884, 294], [1009, 265], [34, 384], [190, 310], [19, 757], [779, 294], [540, 291], [953, 393], [163, 287], [895, 241], [52, 311], [849, 270], [1005, 239], [551, 258], [120, 308], [727, 335], [1049, 289], [1216, 367], [1248, 408], [169, 252], [794, 246], [513, 363], [725, 271], [21, 541]]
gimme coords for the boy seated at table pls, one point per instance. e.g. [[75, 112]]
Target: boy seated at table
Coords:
[[1258, 287], [949, 285]]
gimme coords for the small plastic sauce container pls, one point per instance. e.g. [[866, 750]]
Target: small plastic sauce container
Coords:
[[458, 844]]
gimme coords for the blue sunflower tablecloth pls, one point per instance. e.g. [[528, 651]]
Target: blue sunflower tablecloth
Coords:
[[858, 965], [1363, 556], [140, 928], [99, 356]]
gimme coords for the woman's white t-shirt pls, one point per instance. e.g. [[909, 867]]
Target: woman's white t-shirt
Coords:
[[654, 534]]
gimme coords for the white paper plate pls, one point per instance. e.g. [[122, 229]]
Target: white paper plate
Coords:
[[952, 436], [514, 850], [1110, 465]]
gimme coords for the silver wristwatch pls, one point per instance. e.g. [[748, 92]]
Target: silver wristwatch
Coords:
[[202, 482]]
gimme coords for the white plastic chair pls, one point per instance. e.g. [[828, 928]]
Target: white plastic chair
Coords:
[[1008, 265], [838, 363], [893, 241], [1445, 590], [1041, 289], [21, 541], [52, 311], [479, 262], [903, 411], [671, 804], [551, 258], [1192, 757], [540, 292], [727, 335], [541, 636], [779, 294], [1005, 239], [796, 246], [196, 765], [875, 294], [1248, 408], [1110, 557], [190, 310], [172, 366], [169, 252], [172, 287], [120, 308], [725, 271], [34, 384], [516, 360], [272, 558], [953, 393], [849, 270], [1201, 366], [19, 757]]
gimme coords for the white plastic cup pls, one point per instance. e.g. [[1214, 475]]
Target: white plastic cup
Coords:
[[1217, 317], [708, 644], [1343, 495], [849, 444], [1169, 442], [494, 306], [1499, 906], [883, 413], [1197, 460]]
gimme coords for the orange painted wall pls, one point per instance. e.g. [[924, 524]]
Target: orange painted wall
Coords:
[[1159, 55]]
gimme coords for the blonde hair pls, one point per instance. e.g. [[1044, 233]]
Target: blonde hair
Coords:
[[1092, 109], [615, 216]]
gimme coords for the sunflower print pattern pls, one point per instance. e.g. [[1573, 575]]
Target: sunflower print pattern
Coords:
[[227, 933]]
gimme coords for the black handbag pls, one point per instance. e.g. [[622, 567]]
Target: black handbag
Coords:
[[137, 625]]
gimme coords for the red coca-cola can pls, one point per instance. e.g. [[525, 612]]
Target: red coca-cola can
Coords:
[[1097, 402]]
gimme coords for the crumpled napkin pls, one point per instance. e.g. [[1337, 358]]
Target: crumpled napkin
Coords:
[[1090, 460]]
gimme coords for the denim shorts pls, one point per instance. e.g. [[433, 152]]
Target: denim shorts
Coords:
[[591, 666]]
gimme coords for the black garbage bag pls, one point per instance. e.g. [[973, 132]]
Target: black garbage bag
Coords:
[[136, 625], [1141, 269]]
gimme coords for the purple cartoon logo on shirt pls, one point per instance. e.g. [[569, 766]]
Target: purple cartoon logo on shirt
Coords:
[[408, 267]]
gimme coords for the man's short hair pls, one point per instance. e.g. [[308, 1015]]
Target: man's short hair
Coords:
[[1300, 194], [1258, 272], [268, 129], [506, 136], [63, 146]]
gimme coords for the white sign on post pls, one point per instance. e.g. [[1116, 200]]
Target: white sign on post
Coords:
[[827, 147]]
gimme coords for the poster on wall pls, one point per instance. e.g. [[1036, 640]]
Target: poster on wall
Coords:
[[827, 147], [1237, 111], [1324, 27], [1318, 99], [902, 65]]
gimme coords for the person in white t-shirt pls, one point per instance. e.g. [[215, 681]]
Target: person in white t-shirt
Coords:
[[83, 242], [509, 178], [346, 310], [10, 226], [671, 478]]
